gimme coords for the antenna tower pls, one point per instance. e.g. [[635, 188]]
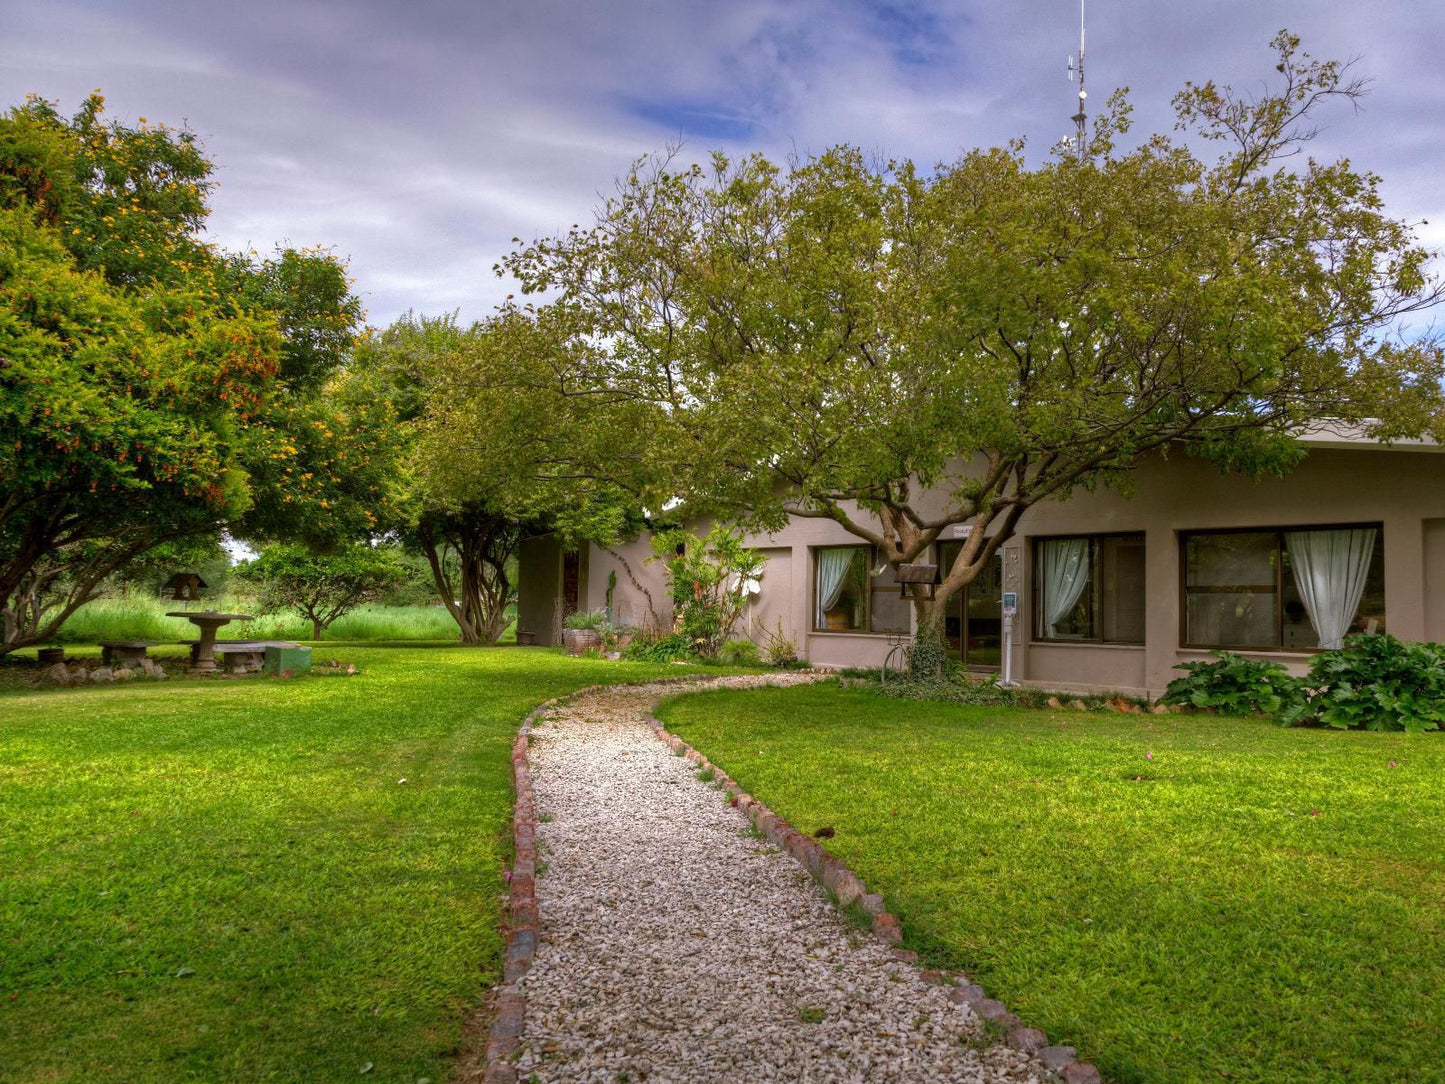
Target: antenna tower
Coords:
[[1080, 118]]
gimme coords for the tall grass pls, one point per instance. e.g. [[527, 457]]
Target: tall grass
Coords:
[[139, 618]]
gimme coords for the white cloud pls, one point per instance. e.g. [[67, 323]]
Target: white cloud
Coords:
[[419, 139]]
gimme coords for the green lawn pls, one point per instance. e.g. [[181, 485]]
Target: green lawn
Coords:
[[1252, 903], [225, 880]]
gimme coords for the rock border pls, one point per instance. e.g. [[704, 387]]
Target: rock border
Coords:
[[847, 889]]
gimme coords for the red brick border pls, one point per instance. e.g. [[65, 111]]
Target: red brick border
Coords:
[[848, 888]]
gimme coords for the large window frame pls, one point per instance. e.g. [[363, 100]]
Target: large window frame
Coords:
[[1277, 589], [1098, 590], [870, 588]]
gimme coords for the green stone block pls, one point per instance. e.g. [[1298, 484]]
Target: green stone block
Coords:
[[297, 659]]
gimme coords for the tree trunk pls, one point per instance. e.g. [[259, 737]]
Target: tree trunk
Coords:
[[37, 602], [928, 615], [477, 597], [317, 629]]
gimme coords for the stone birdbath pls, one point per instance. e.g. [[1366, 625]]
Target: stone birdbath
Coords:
[[208, 621]]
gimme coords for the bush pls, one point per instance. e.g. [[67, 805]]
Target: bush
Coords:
[[1234, 685], [952, 685], [657, 647], [778, 648], [739, 653], [1377, 682]]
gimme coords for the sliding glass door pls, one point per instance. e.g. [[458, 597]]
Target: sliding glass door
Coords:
[[973, 621]]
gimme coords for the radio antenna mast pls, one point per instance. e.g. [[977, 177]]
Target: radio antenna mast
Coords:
[[1080, 118]]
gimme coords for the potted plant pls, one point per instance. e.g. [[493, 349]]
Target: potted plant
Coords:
[[585, 630]]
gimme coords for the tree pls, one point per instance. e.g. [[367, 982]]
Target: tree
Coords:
[[317, 313], [900, 352], [141, 392], [467, 544], [479, 456], [321, 587], [117, 425]]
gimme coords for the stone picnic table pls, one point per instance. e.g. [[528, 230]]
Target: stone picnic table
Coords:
[[203, 658]]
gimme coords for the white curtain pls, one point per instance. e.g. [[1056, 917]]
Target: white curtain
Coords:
[[833, 568], [1330, 569], [1064, 566]]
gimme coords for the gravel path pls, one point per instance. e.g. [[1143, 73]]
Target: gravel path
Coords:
[[676, 946]]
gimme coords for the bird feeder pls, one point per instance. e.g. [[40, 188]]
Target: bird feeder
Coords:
[[184, 587], [912, 577]]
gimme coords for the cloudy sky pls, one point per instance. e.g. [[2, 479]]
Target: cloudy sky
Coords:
[[418, 138]]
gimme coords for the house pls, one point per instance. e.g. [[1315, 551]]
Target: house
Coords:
[[1112, 591]]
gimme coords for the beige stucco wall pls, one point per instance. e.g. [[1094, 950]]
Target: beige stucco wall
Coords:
[[1399, 489], [640, 597], [1404, 490]]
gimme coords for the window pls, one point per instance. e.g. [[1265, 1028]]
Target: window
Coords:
[[850, 597], [1293, 589], [1090, 587]]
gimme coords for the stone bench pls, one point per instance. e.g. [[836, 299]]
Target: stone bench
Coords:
[[246, 656], [124, 652]]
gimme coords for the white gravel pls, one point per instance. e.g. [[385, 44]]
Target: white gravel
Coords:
[[677, 947]]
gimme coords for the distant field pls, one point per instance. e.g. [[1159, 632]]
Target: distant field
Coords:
[[145, 619]]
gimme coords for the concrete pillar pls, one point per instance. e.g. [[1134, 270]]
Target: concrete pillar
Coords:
[[1405, 576], [1162, 613]]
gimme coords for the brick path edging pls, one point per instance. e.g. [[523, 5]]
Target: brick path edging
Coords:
[[847, 888]]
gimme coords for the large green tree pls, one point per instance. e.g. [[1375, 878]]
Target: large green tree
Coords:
[[902, 352], [321, 587], [152, 389], [488, 462]]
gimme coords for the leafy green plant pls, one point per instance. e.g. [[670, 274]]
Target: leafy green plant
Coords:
[[1234, 685], [928, 658], [710, 579], [648, 646], [588, 620], [1378, 682]]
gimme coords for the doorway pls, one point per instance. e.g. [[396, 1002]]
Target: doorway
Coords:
[[571, 581], [973, 620]]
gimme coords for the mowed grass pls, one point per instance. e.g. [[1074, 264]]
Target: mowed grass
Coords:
[[227, 880], [1252, 903]]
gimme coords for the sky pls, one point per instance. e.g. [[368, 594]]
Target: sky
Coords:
[[417, 139]]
